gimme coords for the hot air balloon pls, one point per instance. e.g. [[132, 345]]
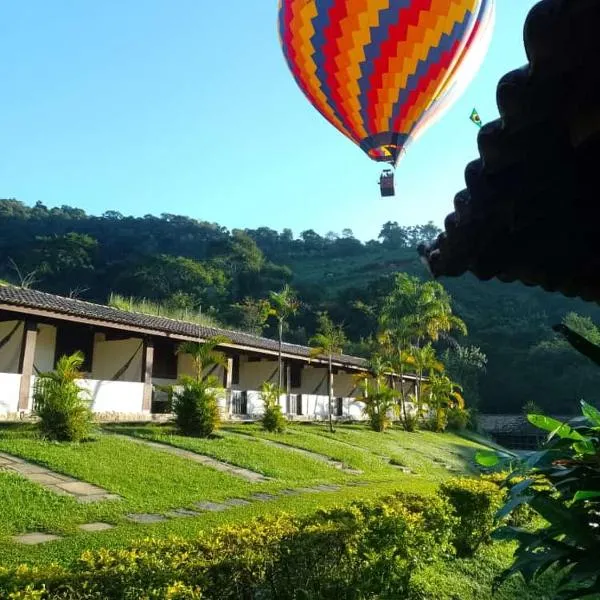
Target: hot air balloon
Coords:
[[382, 71]]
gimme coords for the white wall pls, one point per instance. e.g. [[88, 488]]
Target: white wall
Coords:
[[45, 345], [110, 356], [114, 396], [11, 351], [9, 393]]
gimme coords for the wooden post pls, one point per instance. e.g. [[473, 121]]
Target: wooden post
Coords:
[[147, 364], [227, 383], [26, 362]]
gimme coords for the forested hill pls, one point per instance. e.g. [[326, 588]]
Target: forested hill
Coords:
[[192, 266]]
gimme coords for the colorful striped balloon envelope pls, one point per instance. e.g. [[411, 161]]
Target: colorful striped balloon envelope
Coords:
[[382, 71]]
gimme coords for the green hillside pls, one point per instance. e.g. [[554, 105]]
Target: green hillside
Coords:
[[192, 267]]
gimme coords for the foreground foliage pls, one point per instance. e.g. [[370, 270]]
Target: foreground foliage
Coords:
[[272, 420], [364, 550], [61, 405]]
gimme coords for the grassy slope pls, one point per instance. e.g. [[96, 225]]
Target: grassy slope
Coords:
[[152, 481]]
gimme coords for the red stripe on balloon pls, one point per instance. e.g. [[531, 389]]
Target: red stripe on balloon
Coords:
[[397, 33], [331, 50]]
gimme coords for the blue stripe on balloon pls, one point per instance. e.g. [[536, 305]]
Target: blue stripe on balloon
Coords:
[[434, 55], [379, 34]]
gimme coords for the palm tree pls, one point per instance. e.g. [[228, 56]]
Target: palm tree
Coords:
[[204, 354], [443, 394], [378, 399], [423, 361], [283, 305], [328, 341]]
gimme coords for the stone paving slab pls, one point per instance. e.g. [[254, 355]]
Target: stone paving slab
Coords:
[[146, 518], [56, 482], [261, 497], [207, 461], [181, 512], [34, 538], [238, 502], [211, 506], [93, 527]]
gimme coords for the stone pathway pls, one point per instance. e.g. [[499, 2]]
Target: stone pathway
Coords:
[[336, 464], [37, 537], [207, 461], [55, 482]]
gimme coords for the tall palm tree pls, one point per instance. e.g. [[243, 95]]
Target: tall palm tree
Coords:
[[283, 305], [204, 354], [328, 341]]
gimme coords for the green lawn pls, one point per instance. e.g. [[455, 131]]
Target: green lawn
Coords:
[[149, 480]]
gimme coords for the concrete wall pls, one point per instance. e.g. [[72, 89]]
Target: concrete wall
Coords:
[[9, 393], [11, 351], [114, 396]]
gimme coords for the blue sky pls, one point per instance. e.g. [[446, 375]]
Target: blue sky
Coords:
[[187, 107]]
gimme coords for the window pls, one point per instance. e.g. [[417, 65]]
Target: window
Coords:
[[296, 375], [72, 338], [164, 365], [339, 407], [239, 403], [298, 404]]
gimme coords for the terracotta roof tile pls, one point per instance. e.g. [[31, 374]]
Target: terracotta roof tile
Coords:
[[34, 299], [530, 211]]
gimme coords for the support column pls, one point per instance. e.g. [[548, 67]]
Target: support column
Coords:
[[147, 365], [228, 383], [26, 362], [288, 387]]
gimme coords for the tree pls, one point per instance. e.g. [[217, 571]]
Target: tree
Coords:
[[466, 364], [252, 315], [378, 399], [329, 340], [204, 354], [414, 313], [393, 235], [283, 305], [442, 394]]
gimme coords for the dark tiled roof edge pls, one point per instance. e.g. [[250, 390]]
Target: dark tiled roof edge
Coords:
[[34, 299]]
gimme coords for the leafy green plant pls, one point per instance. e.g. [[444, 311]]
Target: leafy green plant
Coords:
[[569, 502], [364, 550], [442, 394], [62, 406], [272, 419], [458, 418], [379, 403], [476, 503], [196, 406]]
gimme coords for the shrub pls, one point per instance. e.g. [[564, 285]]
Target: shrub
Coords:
[[61, 405], [458, 418], [196, 408], [476, 503], [365, 550], [273, 419]]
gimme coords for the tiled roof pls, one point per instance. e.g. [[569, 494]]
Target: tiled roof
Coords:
[[515, 424], [531, 209], [42, 301]]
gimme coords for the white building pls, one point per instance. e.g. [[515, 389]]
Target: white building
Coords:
[[129, 356]]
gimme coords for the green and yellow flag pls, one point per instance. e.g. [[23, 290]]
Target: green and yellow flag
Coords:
[[476, 118]]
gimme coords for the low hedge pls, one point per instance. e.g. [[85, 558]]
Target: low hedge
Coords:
[[364, 550]]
